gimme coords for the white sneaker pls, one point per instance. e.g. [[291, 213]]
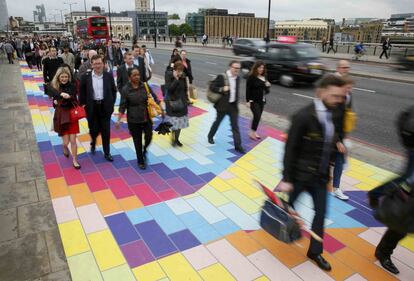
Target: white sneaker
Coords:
[[339, 194]]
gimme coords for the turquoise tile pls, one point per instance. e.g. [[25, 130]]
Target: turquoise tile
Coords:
[[195, 167], [166, 219], [343, 221], [226, 227], [42, 136], [206, 209], [171, 163], [139, 215], [339, 205], [127, 153], [205, 233], [192, 219], [157, 151], [179, 206], [239, 217]]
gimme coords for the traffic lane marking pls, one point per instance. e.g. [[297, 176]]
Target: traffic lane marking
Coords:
[[364, 90], [303, 96]]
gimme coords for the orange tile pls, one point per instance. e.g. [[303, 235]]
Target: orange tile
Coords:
[[364, 267], [354, 242], [130, 203], [81, 195], [106, 201], [243, 243], [283, 252], [84, 138], [57, 187], [115, 140], [357, 230]]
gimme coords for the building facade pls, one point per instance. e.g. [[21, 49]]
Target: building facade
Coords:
[[4, 16], [304, 30], [142, 5], [369, 32], [399, 28], [121, 27], [143, 23], [196, 21]]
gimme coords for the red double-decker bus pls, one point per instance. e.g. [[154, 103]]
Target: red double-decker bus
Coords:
[[93, 28]]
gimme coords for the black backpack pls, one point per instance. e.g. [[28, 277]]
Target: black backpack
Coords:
[[405, 125]]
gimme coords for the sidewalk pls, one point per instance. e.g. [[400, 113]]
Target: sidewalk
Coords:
[[193, 214]]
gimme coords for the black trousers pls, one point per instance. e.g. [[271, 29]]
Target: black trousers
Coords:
[[331, 48], [10, 58], [384, 52], [319, 193], [257, 110], [136, 130], [233, 113], [100, 123], [388, 243]]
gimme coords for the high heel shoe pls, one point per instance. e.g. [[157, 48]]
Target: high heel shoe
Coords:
[[76, 165]]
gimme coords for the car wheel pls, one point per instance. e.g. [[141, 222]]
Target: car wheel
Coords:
[[286, 80]]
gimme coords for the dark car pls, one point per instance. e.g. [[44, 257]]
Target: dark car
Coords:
[[288, 63], [247, 47]]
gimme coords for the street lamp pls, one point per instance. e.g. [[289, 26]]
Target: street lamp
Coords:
[[155, 26], [110, 19], [268, 22], [70, 9], [84, 4], [61, 15]]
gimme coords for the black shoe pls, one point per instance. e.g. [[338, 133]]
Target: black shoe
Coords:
[[320, 261], [387, 263], [109, 158], [240, 149], [211, 141], [77, 166], [178, 143], [145, 155], [142, 166], [93, 149]]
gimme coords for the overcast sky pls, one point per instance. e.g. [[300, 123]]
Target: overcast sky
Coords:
[[281, 9]]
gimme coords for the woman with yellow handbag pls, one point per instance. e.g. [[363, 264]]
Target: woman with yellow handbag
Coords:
[[141, 105]]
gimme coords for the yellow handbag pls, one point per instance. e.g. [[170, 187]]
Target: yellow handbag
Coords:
[[350, 119], [153, 108]]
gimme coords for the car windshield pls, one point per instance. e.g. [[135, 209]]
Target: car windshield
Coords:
[[307, 52]]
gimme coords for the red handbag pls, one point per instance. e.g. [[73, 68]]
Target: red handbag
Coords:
[[77, 113]]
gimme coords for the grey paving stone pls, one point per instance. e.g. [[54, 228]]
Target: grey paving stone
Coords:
[[13, 158], [55, 249], [42, 189], [63, 275], [29, 171], [8, 221], [36, 217], [17, 194], [24, 258], [8, 175]]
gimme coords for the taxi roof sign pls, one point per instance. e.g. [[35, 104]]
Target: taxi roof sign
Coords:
[[287, 39]]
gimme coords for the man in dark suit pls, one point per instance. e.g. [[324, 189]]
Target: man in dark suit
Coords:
[[122, 71], [311, 141], [227, 85], [50, 66], [98, 94], [139, 62]]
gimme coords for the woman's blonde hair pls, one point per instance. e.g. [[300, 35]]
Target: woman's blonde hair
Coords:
[[55, 82]]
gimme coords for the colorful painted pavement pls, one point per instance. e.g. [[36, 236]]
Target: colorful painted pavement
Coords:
[[193, 214]]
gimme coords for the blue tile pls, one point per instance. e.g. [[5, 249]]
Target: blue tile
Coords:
[[166, 218], [364, 218], [184, 240], [226, 227], [207, 177], [192, 219], [339, 205], [343, 221], [139, 215], [45, 146], [188, 176], [205, 233], [239, 217], [122, 228], [163, 171], [209, 212], [179, 206], [119, 162], [157, 241]]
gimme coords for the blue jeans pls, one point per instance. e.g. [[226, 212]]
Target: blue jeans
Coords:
[[339, 166]]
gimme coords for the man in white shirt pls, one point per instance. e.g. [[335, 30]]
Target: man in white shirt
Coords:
[[228, 86]]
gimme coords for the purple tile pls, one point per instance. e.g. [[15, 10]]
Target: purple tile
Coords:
[[107, 170], [156, 182], [87, 165], [130, 176], [122, 229], [157, 241], [136, 253], [207, 176], [360, 206], [120, 162], [188, 176], [64, 162], [45, 146], [98, 158], [163, 171], [180, 186], [48, 157], [184, 240], [364, 218], [134, 165], [234, 158]]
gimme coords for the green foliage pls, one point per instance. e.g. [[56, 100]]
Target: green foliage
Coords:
[[174, 30], [186, 29], [174, 17]]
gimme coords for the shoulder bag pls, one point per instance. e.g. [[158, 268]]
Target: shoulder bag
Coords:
[[153, 108]]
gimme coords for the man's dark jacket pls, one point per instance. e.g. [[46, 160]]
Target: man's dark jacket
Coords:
[[217, 86]]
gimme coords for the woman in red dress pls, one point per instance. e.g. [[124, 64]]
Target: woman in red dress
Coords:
[[65, 94]]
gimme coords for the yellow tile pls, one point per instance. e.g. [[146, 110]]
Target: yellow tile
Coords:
[[364, 186], [220, 184], [105, 250], [247, 188], [150, 271], [241, 173], [215, 272], [73, 238], [178, 268], [246, 165], [408, 242], [262, 278]]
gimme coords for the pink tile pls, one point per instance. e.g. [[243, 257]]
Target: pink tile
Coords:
[[119, 188], [168, 194], [91, 218], [95, 182], [199, 257], [226, 175], [271, 267], [237, 264], [73, 176], [349, 180], [145, 193], [64, 209], [308, 271], [330, 244], [52, 171]]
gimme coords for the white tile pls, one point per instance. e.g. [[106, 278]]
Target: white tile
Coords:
[[406, 272], [271, 267], [356, 277], [91, 218], [309, 271], [64, 209], [199, 257]]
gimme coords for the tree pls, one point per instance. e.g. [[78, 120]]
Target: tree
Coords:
[[186, 29], [174, 30], [174, 17]]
